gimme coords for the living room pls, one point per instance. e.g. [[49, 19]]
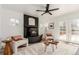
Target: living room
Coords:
[[62, 23]]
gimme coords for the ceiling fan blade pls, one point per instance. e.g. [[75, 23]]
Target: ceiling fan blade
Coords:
[[43, 13], [50, 13], [40, 10], [54, 9]]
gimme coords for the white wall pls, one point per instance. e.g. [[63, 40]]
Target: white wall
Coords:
[[0, 20], [7, 28], [43, 22]]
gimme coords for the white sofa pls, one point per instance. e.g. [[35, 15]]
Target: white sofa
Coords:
[[16, 44], [0, 46]]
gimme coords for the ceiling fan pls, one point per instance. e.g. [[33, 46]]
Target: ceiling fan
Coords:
[[47, 10]]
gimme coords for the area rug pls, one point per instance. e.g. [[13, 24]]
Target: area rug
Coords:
[[38, 49]]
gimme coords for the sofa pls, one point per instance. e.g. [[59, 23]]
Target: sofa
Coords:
[[17, 41]]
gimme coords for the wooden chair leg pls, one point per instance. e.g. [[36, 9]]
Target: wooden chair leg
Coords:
[[53, 48], [56, 46], [45, 48]]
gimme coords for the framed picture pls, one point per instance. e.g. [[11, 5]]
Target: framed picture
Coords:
[[32, 21], [51, 25]]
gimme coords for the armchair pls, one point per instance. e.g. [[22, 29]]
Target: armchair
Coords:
[[47, 36]]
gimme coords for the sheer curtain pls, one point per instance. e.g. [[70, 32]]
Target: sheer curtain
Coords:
[[62, 32], [69, 31], [75, 31]]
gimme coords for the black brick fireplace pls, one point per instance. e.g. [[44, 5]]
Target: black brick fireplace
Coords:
[[31, 28]]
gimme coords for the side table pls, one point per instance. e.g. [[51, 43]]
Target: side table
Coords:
[[8, 49]]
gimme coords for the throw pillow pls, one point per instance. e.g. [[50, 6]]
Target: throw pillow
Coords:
[[16, 38]]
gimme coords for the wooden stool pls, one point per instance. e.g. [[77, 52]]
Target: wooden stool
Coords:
[[8, 49]]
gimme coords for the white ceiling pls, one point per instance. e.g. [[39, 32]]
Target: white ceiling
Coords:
[[31, 8]]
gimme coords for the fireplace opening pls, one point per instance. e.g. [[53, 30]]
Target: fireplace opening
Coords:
[[32, 32]]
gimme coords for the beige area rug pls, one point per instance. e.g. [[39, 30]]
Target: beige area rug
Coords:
[[38, 49]]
